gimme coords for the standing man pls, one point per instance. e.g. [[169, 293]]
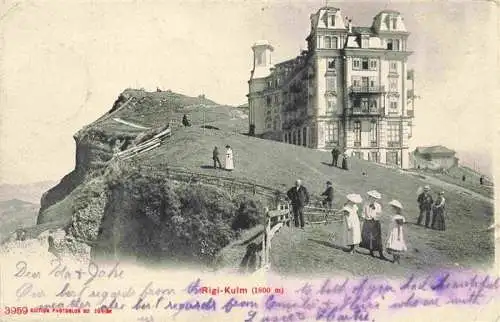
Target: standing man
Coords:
[[216, 158], [335, 156], [328, 201], [425, 202], [299, 197]]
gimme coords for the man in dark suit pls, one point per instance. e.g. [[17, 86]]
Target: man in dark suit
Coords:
[[216, 158], [299, 197], [328, 201], [425, 202], [335, 156]]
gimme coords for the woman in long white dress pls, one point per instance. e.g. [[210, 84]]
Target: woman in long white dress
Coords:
[[229, 158], [351, 225], [396, 244]]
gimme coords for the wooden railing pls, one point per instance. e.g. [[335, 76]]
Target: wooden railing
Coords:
[[275, 220]]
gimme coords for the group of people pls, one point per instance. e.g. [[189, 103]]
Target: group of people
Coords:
[[434, 211], [229, 161], [368, 235], [336, 153]]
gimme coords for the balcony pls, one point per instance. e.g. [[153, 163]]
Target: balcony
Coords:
[[366, 111], [368, 89]]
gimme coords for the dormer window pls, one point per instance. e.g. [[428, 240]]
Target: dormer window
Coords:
[[332, 21], [394, 23]]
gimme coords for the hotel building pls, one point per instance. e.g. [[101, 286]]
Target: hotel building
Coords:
[[351, 88]]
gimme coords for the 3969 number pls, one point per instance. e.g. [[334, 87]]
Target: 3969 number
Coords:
[[8, 310]]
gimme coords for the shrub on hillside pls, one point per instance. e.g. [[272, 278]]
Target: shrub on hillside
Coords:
[[249, 213], [158, 218]]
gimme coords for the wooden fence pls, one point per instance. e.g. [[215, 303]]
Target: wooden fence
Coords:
[[275, 220]]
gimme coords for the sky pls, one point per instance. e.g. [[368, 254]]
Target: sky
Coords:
[[62, 65]]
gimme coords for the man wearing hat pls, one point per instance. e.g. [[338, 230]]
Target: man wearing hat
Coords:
[[371, 233], [299, 197], [328, 201], [425, 202]]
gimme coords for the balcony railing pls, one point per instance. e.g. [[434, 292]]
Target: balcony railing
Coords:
[[368, 89], [366, 111]]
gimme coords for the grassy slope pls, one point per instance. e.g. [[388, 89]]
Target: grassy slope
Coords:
[[278, 165]]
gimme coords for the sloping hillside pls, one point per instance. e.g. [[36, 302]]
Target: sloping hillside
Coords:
[[466, 242], [269, 163]]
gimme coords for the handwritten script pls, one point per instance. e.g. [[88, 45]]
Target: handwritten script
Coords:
[[108, 288]]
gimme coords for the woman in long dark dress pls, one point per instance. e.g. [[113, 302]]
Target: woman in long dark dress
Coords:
[[438, 210], [371, 233]]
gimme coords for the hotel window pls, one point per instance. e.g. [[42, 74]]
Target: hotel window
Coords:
[[298, 137], [373, 64], [330, 83], [373, 81], [393, 84], [393, 133], [364, 64], [332, 132], [356, 63], [373, 132], [335, 42], [330, 63], [394, 106], [365, 41], [410, 130], [393, 44], [373, 104], [392, 158], [393, 67], [290, 137], [328, 42], [304, 136], [276, 99], [260, 59], [275, 125], [357, 133], [332, 21], [331, 103], [356, 81], [364, 104], [269, 100], [356, 103]]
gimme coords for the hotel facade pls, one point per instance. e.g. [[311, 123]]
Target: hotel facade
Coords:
[[351, 88]]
